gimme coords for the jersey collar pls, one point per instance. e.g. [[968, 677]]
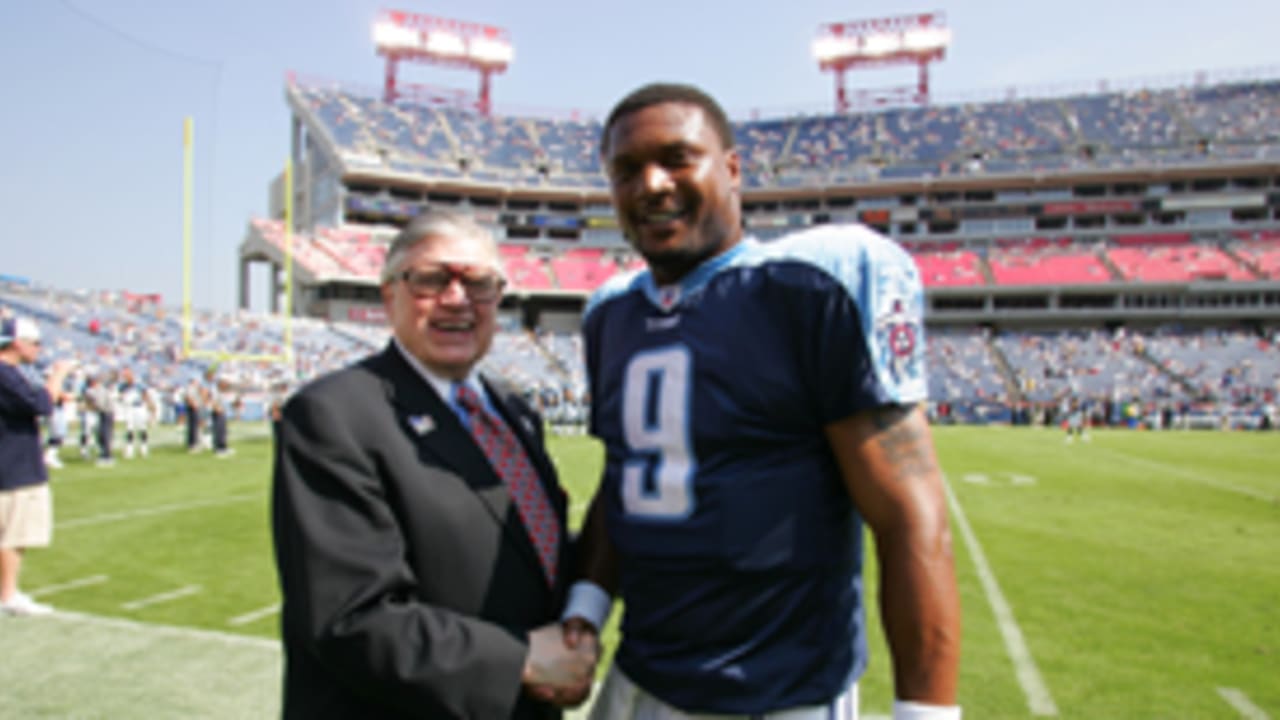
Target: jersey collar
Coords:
[[668, 297]]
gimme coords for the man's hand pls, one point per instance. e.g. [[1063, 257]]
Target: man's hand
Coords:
[[556, 671]]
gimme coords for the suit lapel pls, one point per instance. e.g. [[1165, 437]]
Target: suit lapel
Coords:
[[437, 431]]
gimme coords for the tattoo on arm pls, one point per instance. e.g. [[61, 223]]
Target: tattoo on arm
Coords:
[[903, 442]]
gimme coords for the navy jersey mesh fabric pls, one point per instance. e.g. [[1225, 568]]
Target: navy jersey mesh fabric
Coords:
[[741, 554]]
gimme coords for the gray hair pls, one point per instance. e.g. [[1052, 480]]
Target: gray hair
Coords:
[[437, 222]]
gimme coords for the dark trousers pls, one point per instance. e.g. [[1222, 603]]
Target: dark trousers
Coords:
[[106, 428], [219, 430], [193, 428]]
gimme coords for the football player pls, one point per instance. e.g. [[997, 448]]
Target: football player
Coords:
[[758, 404], [138, 405]]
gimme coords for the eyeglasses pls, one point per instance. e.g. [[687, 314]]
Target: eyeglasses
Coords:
[[481, 285]]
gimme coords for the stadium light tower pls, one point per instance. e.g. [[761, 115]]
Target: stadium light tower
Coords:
[[901, 40], [400, 35]]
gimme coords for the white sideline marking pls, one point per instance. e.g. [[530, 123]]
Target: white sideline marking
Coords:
[[156, 510], [1039, 700], [161, 598], [1238, 700], [1015, 479], [171, 630], [1194, 477], [69, 585], [252, 615]]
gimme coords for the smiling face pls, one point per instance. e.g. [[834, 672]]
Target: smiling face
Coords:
[[447, 332], [675, 186]]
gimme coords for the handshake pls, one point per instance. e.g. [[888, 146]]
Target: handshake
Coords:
[[561, 662]]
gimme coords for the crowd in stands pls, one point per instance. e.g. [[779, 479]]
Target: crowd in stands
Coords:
[[1106, 129], [245, 354], [976, 374]]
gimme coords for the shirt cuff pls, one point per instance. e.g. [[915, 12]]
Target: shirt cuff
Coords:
[[907, 710], [588, 601]]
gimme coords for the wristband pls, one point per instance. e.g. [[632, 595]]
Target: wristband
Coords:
[[908, 710], [588, 601]]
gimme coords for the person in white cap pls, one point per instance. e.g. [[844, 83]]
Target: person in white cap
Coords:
[[26, 508]]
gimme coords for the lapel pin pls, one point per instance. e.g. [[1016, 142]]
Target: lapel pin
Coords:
[[422, 424]]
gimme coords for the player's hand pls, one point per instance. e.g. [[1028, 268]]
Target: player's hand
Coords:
[[554, 671], [582, 636]]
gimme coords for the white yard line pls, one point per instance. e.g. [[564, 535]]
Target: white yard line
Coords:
[[136, 626], [154, 510], [1188, 475], [253, 615], [69, 585], [1242, 704], [161, 598], [1039, 701]]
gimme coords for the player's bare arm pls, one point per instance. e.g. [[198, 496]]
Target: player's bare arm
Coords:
[[890, 469], [597, 560]]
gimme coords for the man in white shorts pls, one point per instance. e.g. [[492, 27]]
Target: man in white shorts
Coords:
[[25, 505]]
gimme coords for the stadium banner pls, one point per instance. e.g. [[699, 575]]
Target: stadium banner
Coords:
[[555, 221], [874, 217], [1215, 200], [904, 214], [1092, 207], [370, 315]]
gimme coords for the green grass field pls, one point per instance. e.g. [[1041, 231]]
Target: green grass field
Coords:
[[1133, 576]]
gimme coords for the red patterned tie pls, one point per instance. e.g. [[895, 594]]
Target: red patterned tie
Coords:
[[508, 458]]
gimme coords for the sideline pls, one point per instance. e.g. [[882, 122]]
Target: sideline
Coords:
[[1039, 701]]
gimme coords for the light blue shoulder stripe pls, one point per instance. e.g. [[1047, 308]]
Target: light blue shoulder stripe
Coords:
[[617, 284], [883, 281]]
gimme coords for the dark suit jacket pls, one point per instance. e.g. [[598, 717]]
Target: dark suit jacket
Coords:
[[409, 581]]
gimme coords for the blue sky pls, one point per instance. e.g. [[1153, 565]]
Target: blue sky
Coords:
[[90, 140]]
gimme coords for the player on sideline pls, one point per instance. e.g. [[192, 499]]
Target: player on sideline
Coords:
[[88, 419], [757, 403], [1074, 410], [138, 405]]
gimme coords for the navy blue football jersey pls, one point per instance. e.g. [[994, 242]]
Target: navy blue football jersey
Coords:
[[740, 551]]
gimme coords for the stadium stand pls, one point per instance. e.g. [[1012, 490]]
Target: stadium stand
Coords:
[[1106, 130], [1099, 244], [1258, 250], [947, 265], [1173, 258], [582, 269], [1045, 261]]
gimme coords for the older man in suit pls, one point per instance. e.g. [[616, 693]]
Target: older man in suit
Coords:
[[418, 522]]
